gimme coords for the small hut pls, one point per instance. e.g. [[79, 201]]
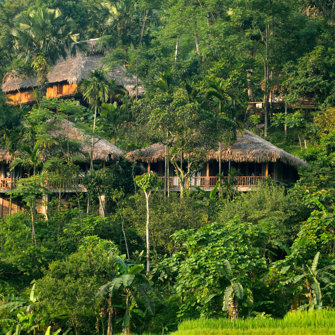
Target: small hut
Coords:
[[65, 76], [250, 157], [104, 151]]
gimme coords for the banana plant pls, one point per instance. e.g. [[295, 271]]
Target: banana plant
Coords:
[[128, 291], [24, 322], [232, 294], [311, 277]]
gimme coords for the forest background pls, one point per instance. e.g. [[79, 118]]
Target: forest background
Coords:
[[259, 254]]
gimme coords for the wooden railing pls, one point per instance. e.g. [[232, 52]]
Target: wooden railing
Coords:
[[7, 184], [68, 184], [210, 182]]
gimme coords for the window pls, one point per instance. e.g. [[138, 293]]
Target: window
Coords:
[[59, 89]]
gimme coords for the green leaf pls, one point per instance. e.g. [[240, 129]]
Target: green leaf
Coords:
[[315, 261]]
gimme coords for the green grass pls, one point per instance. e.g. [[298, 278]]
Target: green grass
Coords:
[[298, 323]]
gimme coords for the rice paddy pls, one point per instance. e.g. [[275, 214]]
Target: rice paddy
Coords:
[[294, 323]]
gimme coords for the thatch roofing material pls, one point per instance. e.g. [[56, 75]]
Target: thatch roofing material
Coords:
[[5, 156], [150, 154], [247, 148], [73, 70], [103, 150]]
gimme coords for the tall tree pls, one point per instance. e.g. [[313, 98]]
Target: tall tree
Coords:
[[147, 182], [41, 36], [96, 90]]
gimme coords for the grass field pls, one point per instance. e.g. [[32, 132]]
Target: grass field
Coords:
[[298, 323]]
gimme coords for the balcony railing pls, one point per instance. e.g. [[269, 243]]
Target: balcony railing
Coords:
[[210, 182], [7, 184]]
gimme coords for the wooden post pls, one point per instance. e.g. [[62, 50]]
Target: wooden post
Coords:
[[168, 178], [2, 170], [207, 171], [165, 169], [220, 158], [149, 167], [1, 210], [266, 169]]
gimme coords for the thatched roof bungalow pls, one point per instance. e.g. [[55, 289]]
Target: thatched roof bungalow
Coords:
[[104, 151], [248, 148], [65, 76], [250, 154]]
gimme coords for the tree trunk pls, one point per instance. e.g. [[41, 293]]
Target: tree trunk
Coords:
[[93, 132], [123, 231], [59, 198], [165, 169], [102, 205], [177, 49], [250, 90], [126, 329], [88, 208], [147, 196], [33, 219], [266, 81], [10, 196], [197, 46], [143, 26], [181, 178], [285, 124], [109, 322], [220, 168], [45, 201]]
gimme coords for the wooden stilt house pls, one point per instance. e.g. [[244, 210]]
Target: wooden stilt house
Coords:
[[251, 158], [65, 76], [104, 153]]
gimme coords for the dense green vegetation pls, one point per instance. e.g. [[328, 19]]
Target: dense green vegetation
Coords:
[[153, 261]]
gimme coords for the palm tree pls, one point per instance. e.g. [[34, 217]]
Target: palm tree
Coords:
[[41, 36], [96, 90]]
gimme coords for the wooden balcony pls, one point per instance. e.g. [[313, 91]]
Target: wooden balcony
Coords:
[[5, 184], [67, 186], [240, 182]]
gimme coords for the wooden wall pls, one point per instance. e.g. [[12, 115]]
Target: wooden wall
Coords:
[[57, 90], [21, 97], [5, 207], [61, 90]]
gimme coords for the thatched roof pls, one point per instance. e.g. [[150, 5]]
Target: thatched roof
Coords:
[[247, 148], [150, 154], [73, 70], [5, 156], [103, 150]]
